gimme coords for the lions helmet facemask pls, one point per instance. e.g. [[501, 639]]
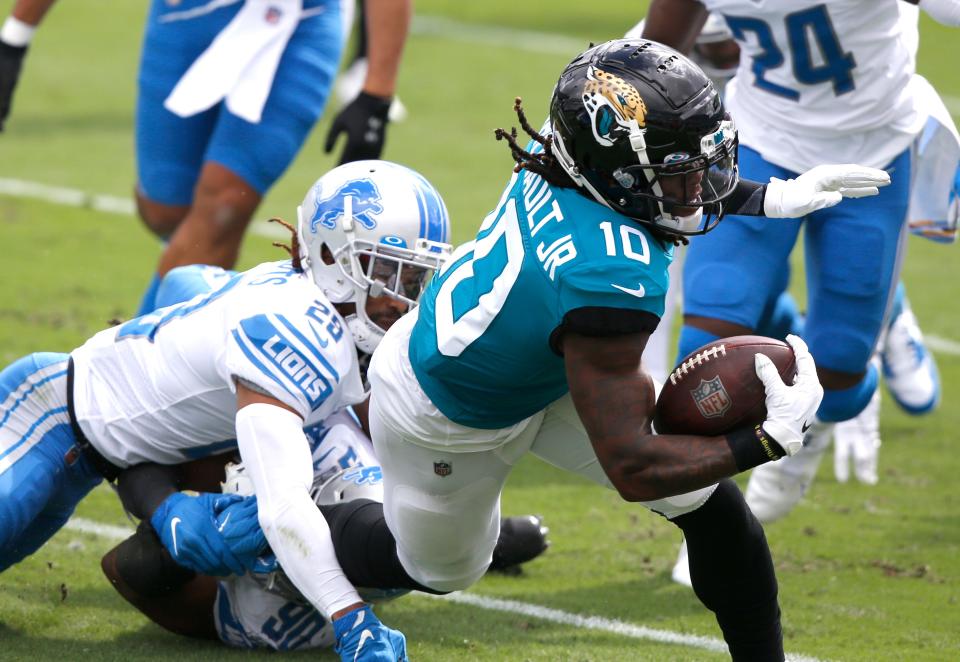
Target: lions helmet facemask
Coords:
[[643, 131], [385, 228]]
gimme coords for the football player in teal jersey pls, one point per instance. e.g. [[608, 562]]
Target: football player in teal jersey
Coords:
[[530, 339]]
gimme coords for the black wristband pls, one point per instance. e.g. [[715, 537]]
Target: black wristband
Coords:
[[752, 447]]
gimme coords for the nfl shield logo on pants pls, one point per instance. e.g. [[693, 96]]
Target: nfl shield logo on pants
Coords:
[[442, 468], [711, 398]]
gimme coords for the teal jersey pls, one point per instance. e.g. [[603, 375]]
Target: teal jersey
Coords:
[[481, 347]]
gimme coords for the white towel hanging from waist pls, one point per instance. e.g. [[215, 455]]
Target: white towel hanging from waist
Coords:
[[241, 62]]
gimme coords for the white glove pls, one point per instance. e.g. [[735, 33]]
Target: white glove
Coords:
[[823, 186], [858, 440], [943, 11], [790, 409]]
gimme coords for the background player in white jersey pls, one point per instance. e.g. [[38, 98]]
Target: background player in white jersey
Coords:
[[227, 93], [819, 81], [245, 366], [531, 337]]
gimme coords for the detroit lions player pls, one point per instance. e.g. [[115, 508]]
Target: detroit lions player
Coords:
[[260, 610], [247, 366], [815, 81], [227, 94], [531, 337]]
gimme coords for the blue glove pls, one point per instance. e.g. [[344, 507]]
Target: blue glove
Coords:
[[187, 528], [240, 529], [361, 637]]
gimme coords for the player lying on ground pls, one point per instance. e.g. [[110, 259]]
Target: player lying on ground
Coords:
[[245, 366], [261, 608], [531, 338]]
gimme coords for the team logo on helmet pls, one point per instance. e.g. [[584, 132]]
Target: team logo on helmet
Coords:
[[366, 205], [613, 104], [711, 398], [362, 475]]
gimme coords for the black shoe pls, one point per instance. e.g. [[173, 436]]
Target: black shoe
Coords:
[[521, 539]]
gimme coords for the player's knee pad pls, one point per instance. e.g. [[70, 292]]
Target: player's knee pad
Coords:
[[844, 404], [840, 347], [146, 567]]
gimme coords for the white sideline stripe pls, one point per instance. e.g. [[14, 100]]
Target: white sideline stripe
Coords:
[[109, 531], [597, 623], [83, 525], [942, 345], [111, 204]]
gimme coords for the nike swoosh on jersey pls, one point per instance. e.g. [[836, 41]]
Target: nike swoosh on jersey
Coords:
[[364, 636], [639, 292], [224, 523], [173, 531]]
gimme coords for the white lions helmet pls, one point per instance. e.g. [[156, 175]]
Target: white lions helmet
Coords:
[[386, 230]]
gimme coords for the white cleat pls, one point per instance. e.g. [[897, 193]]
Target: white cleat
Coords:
[[858, 440], [681, 569], [775, 488], [908, 366]]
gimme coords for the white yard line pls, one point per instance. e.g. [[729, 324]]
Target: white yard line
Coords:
[[111, 204], [108, 531], [597, 623], [116, 533]]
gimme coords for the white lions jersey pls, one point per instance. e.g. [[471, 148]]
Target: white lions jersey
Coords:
[[824, 81], [249, 616], [161, 388]]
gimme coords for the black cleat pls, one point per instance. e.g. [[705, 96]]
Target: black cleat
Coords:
[[521, 539]]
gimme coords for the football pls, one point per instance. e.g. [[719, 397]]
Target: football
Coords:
[[716, 389]]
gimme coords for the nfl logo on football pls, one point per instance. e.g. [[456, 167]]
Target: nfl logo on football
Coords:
[[711, 398]]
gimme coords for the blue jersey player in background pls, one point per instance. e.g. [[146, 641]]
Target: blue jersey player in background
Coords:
[[820, 82], [227, 94], [531, 338]]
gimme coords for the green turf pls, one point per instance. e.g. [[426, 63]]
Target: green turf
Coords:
[[866, 573]]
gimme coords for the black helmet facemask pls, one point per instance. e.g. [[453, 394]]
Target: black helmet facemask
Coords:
[[664, 157]]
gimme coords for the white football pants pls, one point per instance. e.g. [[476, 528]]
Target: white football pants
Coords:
[[442, 481]]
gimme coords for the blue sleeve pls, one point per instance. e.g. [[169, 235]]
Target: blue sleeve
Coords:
[[184, 283]]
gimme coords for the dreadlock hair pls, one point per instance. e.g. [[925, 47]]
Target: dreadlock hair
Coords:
[[547, 166], [544, 163], [294, 248]]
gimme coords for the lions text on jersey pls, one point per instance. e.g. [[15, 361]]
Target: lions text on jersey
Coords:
[[482, 348], [160, 388]]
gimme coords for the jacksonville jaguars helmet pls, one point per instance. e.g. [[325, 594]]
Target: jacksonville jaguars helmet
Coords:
[[641, 129], [369, 229]]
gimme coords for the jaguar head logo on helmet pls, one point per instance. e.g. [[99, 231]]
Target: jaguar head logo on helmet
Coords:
[[641, 129], [372, 233]]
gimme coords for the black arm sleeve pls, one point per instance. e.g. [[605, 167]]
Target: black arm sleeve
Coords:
[[143, 487], [746, 200], [600, 322]]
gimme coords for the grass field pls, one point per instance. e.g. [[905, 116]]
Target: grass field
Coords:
[[866, 573]]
